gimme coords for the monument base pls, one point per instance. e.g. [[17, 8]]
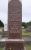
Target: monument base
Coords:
[[14, 44]]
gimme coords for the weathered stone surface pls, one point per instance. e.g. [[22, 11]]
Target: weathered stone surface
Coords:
[[16, 44], [14, 18]]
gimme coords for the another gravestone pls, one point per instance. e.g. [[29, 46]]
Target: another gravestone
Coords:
[[15, 41]]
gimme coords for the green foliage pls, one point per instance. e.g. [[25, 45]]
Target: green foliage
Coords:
[[29, 23], [1, 24], [24, 24]]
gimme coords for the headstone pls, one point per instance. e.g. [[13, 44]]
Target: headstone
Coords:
[[14, 41], [14, 19]]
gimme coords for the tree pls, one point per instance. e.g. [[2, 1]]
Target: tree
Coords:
[[1, 24], [29, 23], [24, 24]]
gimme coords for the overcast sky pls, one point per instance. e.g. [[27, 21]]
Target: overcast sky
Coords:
[[3, 10], [26, 10]]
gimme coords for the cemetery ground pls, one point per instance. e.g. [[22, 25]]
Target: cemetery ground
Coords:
[[25, 33], [0, 48], [28, 47]]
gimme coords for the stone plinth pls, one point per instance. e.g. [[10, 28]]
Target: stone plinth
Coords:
[[15, 44]]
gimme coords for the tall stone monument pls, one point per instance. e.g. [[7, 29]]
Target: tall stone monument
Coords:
[[15, 41], [14, 19]]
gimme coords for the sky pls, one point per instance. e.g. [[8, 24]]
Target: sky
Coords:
[[3, 11], [26, 11]]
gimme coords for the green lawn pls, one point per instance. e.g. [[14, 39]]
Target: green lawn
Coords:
[[0, 48], [24, 32], [28, 47]]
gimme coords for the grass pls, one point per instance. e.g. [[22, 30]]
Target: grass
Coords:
[[0, 48], [28, 46], [24, 32]]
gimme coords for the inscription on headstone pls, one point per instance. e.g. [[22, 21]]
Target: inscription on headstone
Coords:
[[14, 18]]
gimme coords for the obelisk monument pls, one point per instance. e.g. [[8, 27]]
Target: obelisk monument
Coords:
[[15, 41]]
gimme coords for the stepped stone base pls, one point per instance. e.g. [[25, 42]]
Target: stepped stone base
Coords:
[[14, 44]]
